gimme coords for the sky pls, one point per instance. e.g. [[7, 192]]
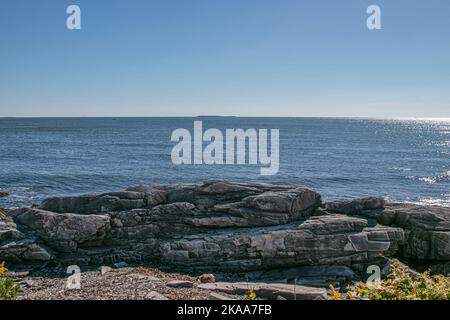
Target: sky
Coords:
[[225, 57]]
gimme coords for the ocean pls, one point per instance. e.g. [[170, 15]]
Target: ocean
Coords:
[[342, 158]]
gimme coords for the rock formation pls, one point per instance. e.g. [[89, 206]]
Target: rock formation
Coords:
[[268, 231]]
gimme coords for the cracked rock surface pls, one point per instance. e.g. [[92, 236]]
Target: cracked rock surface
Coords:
[[221, 226]]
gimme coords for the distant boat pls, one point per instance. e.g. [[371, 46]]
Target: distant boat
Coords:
[[114, 119]]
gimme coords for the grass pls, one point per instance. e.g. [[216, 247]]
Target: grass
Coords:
[[8, 290], [401, 284]]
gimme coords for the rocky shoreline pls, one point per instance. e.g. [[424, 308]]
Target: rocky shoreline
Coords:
[[252, 232]]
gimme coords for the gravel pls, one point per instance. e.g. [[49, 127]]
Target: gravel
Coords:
[[115, 284]]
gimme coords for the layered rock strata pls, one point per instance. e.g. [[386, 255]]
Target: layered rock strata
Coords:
[[227, 227]]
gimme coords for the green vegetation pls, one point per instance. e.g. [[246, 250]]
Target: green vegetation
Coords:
[[8, 290], [401, 284]]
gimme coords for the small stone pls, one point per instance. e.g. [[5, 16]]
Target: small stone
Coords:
[[120, 265], [153, 295], [18, 274], [152, 278], [268, 290], [26, 283], [206, 278], [105, 269], [218, 296], [138, 276], [180, 284], [116, 223]]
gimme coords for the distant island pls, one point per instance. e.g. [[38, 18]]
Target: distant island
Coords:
[[214, 116]]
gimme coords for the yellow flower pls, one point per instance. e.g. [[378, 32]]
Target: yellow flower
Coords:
[[2, 268], [250, 295], [334, 294]]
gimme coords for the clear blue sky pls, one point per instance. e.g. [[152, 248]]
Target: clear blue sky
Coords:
[[228, 57]]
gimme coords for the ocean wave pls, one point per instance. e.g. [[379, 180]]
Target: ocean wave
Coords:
[[443, 177], [429, 180], [431, 202], [444, 144], [399, 169]]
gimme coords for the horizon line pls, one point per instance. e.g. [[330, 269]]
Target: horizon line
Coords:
[[231, 116]]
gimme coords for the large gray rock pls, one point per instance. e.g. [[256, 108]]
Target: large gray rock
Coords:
[[313, 276], [229, 227], [297, 202], [15, 249], [25, 253], [63, 232], [326, 240], [97, 203], [354, 206], [428, 229], [137, 224], [8, 230], [268, 290]]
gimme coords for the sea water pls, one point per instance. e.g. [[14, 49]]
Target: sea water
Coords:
[[399, 159]]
